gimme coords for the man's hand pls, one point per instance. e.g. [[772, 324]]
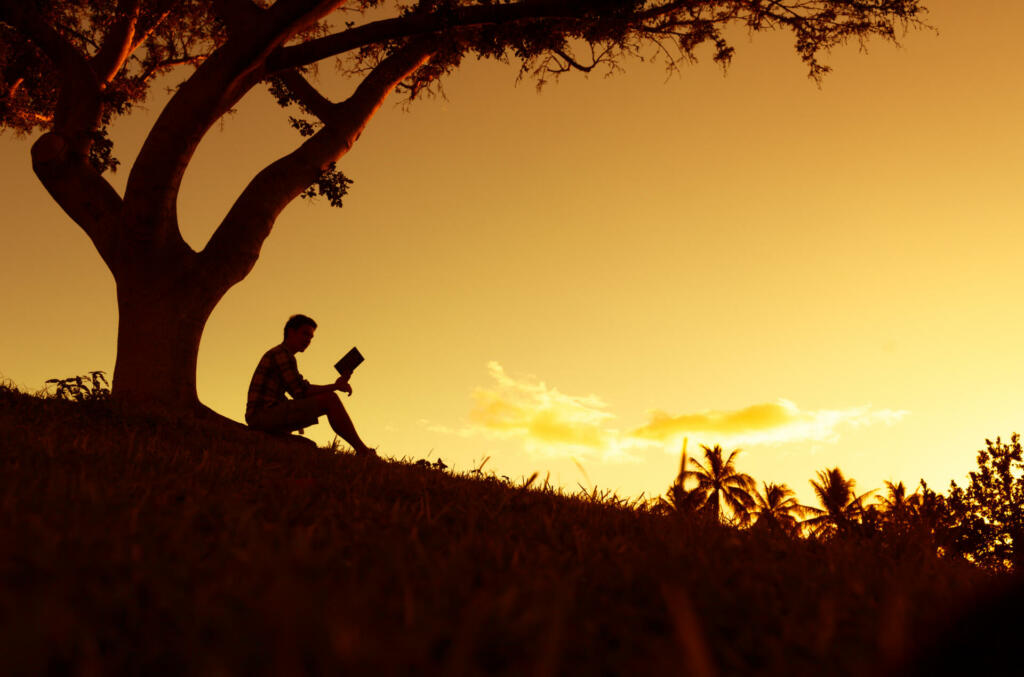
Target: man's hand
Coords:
[[343, 385]]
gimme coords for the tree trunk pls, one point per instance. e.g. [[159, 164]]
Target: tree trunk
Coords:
[[160, 325]]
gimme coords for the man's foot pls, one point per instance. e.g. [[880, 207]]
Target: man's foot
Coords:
[[367, 452]]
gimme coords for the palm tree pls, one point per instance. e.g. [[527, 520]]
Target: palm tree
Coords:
[[727, 491], [678, 499], [840, 508], [896, 502], [777, 509], [898, 509]]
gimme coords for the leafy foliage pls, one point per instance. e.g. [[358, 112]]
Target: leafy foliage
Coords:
[[92, 387], [986, 518], [546, 39], [718, 492], [841, 508], [777, 509], [168, 35], [332, 184], [679, 500]]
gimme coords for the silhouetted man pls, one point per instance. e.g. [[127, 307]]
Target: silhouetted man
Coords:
[[277, 373]]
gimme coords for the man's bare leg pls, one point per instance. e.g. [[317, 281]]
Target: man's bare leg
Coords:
[[342, 424]]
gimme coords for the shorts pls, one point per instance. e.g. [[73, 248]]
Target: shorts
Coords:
[[286, 416]]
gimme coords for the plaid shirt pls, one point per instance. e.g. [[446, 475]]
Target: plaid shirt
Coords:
[[276, 374]]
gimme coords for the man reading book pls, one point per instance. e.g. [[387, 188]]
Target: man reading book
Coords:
[[277, 373]]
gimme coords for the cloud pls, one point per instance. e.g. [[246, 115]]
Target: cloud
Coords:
[[550, 422], [770, 423], [529, 408]]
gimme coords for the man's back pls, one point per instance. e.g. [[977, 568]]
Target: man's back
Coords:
[[276, 374]]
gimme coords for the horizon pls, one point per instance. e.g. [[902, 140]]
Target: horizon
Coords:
[[820, 276]]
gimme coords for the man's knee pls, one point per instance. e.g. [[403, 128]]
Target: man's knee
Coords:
[[328, 400]]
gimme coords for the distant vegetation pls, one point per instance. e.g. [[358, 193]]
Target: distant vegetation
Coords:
[[135, 545], [982, 523]]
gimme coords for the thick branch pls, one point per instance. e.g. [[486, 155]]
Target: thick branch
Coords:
[[163, 10], [420, 24], [216, 86], [307, 95], [235, 246], [60, 158], [237, 14], [81, 192], [117, 44]]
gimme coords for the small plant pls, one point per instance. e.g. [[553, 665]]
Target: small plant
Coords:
[[92, 387], [436, 465]]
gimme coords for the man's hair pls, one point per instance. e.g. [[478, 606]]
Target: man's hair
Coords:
[[296, 321]]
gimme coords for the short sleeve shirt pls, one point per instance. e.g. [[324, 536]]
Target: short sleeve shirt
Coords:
[[276, 374]]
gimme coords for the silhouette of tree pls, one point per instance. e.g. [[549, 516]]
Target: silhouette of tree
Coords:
[[68, 68], [776, 509], [840, 509], [896, 502], [986, 519], [678, 499], [897, 509], [682, 501], [728, 494]]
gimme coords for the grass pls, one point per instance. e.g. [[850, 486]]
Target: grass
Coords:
[[134, 546]]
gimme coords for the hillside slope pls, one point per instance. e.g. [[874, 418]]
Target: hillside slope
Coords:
[[136, 546]]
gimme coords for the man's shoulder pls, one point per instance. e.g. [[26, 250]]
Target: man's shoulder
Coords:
[[275, 355]]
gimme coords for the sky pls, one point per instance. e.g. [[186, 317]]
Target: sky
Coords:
[[573, 281]]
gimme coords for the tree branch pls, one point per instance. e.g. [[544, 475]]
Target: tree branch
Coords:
[[60, 157], [307, 95], [78, 105], [81, 192], [235, 245], [157, 66], [216, 86], [237, 13], [164, 10], [412, 25], [117, 44]]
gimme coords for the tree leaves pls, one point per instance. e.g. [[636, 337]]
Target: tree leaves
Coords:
[[986, 519], [331, 184]]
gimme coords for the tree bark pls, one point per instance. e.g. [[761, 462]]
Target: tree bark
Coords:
[[160, 325]]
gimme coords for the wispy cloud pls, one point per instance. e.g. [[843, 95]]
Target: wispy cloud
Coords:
[[550, 422], [555, 424], [769, 423]]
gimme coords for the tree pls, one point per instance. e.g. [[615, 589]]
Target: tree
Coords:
[[986, 519], [776, 509], [840, 509], [896, 502], [69, 67], [678, 499], [727, 493], [898, 510]]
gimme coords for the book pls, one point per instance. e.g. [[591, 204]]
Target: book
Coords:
[[349, 362]]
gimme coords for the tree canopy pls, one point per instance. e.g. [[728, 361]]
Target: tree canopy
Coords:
[[118, 47], [985, 518]]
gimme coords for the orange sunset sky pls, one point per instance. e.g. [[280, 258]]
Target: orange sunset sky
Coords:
[[572, 281]]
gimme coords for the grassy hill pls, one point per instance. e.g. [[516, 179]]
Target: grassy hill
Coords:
[[138, 546]]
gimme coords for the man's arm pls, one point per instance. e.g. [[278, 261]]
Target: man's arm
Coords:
[[341, 384], [294, 384], [299, 387]]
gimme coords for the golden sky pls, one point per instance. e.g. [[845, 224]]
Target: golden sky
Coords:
[[573, 281]]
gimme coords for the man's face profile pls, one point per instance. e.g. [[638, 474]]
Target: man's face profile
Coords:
[[298, 340]]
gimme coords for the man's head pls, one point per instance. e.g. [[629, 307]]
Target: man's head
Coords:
[[298, 332]]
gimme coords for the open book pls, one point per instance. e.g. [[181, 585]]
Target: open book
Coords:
[[348, 364]]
